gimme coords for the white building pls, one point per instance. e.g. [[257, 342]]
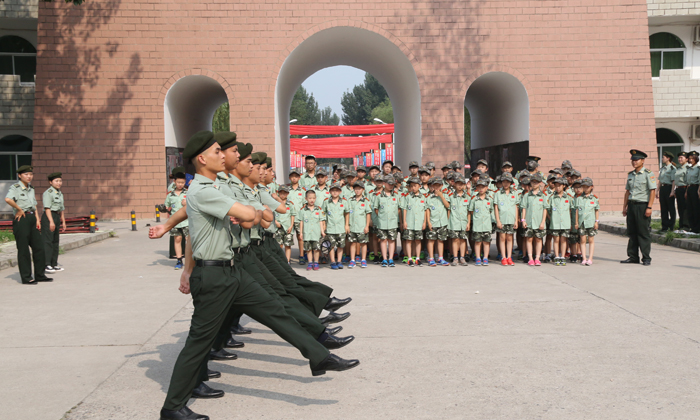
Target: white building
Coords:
[[674, 38]]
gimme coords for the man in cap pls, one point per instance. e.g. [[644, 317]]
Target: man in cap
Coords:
[[680, 185], [26, 227], [663, 194], [308, 180], [638, 201]]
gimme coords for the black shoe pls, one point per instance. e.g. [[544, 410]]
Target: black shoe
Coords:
[[334, 343], [233, 344], [334, 318], [335, 363], [334, 303], [646, 262], [239, 330], [32, 283], [629, 261], [212, 374], [334, 331], [205, 391], [182, 414], [47, 280], [222, 355]]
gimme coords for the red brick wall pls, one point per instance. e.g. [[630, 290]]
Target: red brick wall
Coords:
[[104, 69]]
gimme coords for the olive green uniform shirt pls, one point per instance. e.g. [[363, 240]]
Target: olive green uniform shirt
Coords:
[[640, 184], [680, 177], [559, 209], [415, 205], [210, 226], [507, 203], [286, 219], [312, 223], [459, 211], [174, 201], [24, 196], [308, 181], [347, 192], [667, 173], [322, 193], [481, 209], [52, 199], [438, 211], [387, 207], [357, 214], [335, 215], [586, 205], [535, 205], [233, 187], [693, 176]]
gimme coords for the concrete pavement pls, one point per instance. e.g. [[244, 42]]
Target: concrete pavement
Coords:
[[606, 341]]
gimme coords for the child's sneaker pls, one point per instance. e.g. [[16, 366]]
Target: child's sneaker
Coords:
[[583, 262], [504, 262], [363, 263], [357, 259], [351, 264], [455, 261], [391, 263], [346, 259], [538, 263], [309, 266], [589, 262], [385, 263], [499, 257], [463, 262], [531, 262], [477, 261], [431, 262], [334, 266], [485, 261], [547, 259], [339, 265], [371, 256], [510, 262], [442, 262], [410, 263], [557, 262], [418, 263], [406, 260], [315, 266], [178, 266], [302, 260], [563, 261]]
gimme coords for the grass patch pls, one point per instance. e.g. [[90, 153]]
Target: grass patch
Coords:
[[6, 236], [61, 251], [656, 225]]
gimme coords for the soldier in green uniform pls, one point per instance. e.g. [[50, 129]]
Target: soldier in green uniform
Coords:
[[680, 185], [638, 201], [54, 214], [692, 193], [663, 193], [218, 285], [27, 227]]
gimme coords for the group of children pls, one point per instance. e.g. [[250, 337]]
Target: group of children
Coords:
[[549, 218]]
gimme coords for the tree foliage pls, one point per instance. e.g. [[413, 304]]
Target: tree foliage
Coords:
[[305, 110], [359, 103], [383, 112], [221, 119]]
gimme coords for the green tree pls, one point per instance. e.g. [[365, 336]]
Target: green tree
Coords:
[[221, 119], [362, 100], [467, 136], [304, 108], [384, 112], [328, 117]]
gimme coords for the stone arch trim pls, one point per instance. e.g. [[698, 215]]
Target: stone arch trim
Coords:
[[497, 68], [417, 68], [190, 72]]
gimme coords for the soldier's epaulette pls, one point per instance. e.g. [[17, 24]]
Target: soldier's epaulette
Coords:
[[647, 170], [630, 172], [403, 194], [325, 199], [595, 196], [17, 185]]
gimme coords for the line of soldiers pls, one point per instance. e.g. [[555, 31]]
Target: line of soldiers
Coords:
[[41, 234], [233, 267], [680, 185]]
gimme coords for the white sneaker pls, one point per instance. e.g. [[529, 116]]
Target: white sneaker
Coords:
[[49, 269], [57, 268]]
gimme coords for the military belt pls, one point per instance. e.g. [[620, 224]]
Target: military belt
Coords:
[[256, 242], [271, 235], [639, 202], [213, 263], [241, 250]]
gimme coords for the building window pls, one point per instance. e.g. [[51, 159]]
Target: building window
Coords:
[[666, 52], [668, 141], [18, 57], [15, 151]]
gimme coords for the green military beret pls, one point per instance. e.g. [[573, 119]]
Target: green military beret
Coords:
[[637, 154], [198, 143], [226, 139], [25, 168], [684, 154], [268, 162], [178, 170], [245, 150], [258, 158], [54, 175]]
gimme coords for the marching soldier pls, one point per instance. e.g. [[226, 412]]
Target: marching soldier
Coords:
[[638, 201], [27, 228]]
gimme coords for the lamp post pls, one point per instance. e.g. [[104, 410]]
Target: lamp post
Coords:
[[379, 121], [293, 121]]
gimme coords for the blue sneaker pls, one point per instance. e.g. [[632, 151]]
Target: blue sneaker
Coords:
[[358, 259], [334, 266], [391, 263], [178, 265], [385, 263], [498, 257], [363, 263], [431, 262], [339, 265], [442, 262], [485, 261], [477, 261], [309, 267], [351, 264], [346, 259]]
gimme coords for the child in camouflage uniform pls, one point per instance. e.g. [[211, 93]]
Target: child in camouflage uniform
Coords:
[[458, 220], [534, 219], [386, 207], [334, 210], [559, 207], [285, 223], [174, 202], [413, 210], [357, 220], [438, 215], [574, 238], [480, 209], [312, 227], [506, 213], [587, 206]]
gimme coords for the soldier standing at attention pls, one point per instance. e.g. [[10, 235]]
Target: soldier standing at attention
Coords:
[[26, 227], [692, 193], [680, 184], [639, 198], [53, 214], [663, 194]]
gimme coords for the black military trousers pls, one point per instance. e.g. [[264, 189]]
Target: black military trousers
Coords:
[[51, 239], [302, 281], [668, 208], [693, 209], [681, 201], [215, 290], [639, 231], [28, 236]]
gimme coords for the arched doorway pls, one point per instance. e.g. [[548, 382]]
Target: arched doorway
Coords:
[[668, 141], [499, 110], [189, 107], [15, 151], [363, 49]]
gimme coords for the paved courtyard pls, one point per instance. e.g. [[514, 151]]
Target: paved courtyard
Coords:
[[607, 341]]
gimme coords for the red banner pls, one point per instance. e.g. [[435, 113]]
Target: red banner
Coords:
[[337, 146], [390, 152], [310, 130]]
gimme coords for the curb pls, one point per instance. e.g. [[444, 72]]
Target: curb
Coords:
[[96, 237], [689, 244]]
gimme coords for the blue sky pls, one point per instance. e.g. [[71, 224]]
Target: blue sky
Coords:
[[328, 85]]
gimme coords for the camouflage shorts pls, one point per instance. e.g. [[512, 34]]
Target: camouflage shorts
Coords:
[[573, 238], [521, 231], [558, 232], [411, 235], [358, 238], [383, 234], [535, 233], [296, 228], [372, 230], [458, 234], [312, 245], [284, 238], [587, 232], [507, 229], [337, 240], [481, 236], [185, 231], [439, 234]]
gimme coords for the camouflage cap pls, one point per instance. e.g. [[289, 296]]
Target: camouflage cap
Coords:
[[359, 184], [395, 167], [349, 172], [294, 171], [430, 165], [337, 185], [532, 165], [574, 172], [413, 180], [525, 180], [507, 177], [455, 164], [446, 166], [423, 169], [435, 180], [340, 167], [321, 172], [389, 180], [379, 178], [557, 171], [576, 181], [459, 178], [361, 168], [523, 173], [587, 182], [561, 181], [413, 164], [283, 188], [476, 172], [450, 175], [551, 177], [566, 165], [483, 181], [374, 167], [536, 177], [507, 164], [483, 162], [398, 176]]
